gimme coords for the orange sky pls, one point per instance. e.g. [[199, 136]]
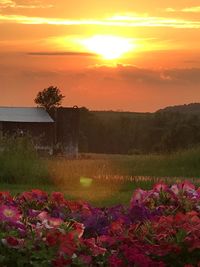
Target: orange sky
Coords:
[[57, 42]]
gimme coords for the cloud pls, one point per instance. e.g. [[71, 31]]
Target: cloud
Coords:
[[193, 9], [173, 76], [131, 20], [23, 4], [68, 53], [124, 87]]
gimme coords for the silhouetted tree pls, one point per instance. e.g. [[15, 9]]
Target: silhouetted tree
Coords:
[[48, 98]]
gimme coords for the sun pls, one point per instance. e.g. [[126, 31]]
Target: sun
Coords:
[[108, 46]]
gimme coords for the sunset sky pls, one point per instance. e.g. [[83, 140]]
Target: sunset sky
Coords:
[[103, 54]]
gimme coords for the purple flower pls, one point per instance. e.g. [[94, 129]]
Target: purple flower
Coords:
[[139, 214], [9, 213]]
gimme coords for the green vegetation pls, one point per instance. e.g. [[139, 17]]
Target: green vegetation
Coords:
[[100, 179], [139, 133], [19, 162]]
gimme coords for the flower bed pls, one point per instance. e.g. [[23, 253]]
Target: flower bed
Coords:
[[161, 227]]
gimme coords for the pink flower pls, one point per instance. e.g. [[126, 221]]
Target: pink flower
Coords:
[[175, 189], [55, 222], [9, 213], [160, 187], [187, 186], [138, 197], [43, 215]]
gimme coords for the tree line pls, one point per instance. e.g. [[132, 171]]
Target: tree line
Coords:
[[167, 130], [137, 133]]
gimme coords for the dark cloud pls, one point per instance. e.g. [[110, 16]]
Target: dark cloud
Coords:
[[134, 74], [68, 53]]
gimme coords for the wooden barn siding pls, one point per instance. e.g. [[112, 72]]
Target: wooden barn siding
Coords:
[[42, 130], [66, 128]]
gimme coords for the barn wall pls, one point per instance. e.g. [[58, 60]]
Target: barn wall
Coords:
[[66, 129], [1, 129]]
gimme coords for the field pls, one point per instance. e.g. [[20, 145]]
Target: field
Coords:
[[99, 179], [118, 225]]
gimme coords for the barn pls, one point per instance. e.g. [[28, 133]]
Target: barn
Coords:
[[56, 131], [35, 122], [66, 130]]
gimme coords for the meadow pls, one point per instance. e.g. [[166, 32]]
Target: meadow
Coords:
[[100, 179]]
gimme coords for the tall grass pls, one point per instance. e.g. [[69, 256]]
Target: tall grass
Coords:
[[113, 178], [100, 179], [19, 162], [185, 164]]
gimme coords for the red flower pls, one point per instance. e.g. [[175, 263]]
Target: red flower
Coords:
[[5, 196], [117, 226], [86, 259], [68, 245], [12, 242], [114, 261], [57, 197], [61, 262], [78, 229], [96, 250], [51, 239]]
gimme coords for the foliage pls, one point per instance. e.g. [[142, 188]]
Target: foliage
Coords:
[[19, 162], [160, 227], [186, 108], [50, 97], [138, 133]]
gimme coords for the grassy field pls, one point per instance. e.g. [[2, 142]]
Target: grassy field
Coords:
[[99, 179]]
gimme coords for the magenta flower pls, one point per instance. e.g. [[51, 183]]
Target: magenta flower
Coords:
[[160, 187], [114, 261], [9, 213], [187, 186], [138, 197]]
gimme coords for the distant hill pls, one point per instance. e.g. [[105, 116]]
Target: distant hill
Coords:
[[114, 115], [193, 108]]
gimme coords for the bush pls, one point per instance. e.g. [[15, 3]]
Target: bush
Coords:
[[19, 162]]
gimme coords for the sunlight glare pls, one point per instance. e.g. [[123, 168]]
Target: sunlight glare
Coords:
[[109, 47]]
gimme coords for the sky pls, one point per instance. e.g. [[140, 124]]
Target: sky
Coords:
[[105, 55]]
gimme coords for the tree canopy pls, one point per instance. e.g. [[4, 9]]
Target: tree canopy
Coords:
[[50, 97]]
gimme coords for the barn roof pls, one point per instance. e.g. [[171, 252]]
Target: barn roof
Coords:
[[22, 114]]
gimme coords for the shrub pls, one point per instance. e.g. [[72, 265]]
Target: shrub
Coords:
[[19, 162]]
